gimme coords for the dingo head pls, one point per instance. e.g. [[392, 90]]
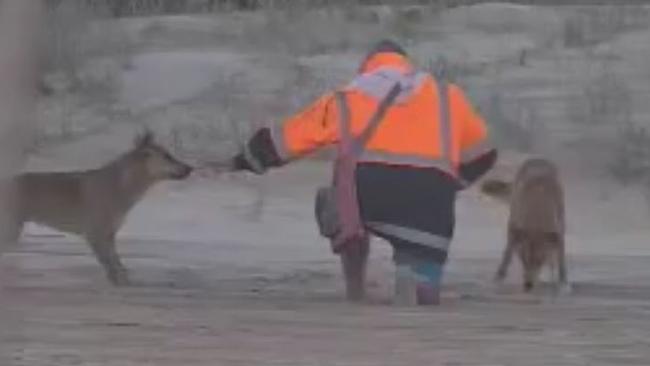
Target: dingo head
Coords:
[[158, 161]]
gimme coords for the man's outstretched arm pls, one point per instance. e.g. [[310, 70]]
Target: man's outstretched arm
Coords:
[[299, 135]]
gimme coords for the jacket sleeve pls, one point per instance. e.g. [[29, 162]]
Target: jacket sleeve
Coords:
[[299, 135], [477, 155]]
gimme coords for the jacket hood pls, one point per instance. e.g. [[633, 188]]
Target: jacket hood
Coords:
[[386, 59]]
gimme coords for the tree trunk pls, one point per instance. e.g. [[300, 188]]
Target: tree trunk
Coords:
[[20, 41]]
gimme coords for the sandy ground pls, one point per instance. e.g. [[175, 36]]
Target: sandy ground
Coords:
[[220, 284]]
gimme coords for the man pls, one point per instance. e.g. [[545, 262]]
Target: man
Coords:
[[407, 178]]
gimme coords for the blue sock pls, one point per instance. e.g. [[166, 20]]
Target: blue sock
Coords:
[[429, 273]]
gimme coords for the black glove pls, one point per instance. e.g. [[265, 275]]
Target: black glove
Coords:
[[240, 162]]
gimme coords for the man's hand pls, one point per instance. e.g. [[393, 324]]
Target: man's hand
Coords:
[[237, 163], [244, 161], [214, 168]]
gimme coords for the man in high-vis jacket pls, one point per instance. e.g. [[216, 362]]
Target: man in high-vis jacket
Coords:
[[412, 167]]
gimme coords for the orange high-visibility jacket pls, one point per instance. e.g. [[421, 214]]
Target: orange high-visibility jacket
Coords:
[[412, 132]]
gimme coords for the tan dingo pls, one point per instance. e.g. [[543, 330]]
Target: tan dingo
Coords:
[[536, 226], [93, 203]]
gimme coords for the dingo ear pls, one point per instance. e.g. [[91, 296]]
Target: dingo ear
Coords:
[[497, 189], [144, 138]]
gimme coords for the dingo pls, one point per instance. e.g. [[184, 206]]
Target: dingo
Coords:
[[536, 225], [93, 203]]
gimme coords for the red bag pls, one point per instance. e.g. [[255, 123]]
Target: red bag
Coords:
[[346, 205]]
